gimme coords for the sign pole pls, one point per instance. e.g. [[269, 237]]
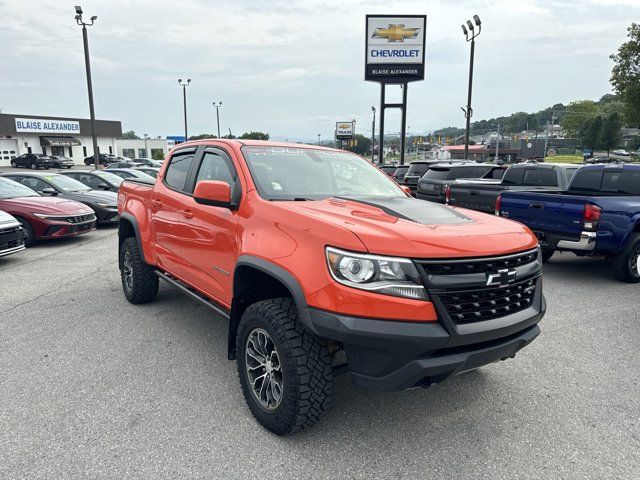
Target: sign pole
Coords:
[[403, 127], [381, 136]]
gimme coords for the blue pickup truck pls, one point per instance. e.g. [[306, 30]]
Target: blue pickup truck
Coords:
[[597, 214]]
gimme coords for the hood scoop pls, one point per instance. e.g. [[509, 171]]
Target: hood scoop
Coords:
[[414, 210]]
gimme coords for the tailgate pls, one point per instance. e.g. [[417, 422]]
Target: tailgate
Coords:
[[475, 197], [545, 212]]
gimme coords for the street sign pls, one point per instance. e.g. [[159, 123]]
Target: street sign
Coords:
[[345, 130], [395, 48]]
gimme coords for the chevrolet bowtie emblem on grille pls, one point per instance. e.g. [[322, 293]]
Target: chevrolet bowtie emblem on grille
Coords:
[[395, 33], [501, 278]]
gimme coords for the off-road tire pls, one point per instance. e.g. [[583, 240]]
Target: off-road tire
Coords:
[[28, 235], [143, 287], [307, 380], [625, 265], [547, 254]]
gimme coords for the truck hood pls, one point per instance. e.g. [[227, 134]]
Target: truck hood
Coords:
[[409, 227], [47, 205]]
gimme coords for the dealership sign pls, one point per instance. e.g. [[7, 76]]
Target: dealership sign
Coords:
[[345, 130], [36, 125], [395, 48]]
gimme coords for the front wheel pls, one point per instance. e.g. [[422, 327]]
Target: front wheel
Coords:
[[28, 235], [547, 254], [139, 282], [34, 166], [14, 164], [285, 371], [626, 265]]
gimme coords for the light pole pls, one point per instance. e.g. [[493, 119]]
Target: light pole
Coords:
[[318, 139], [218, 105], [470, 35], [87, 64], [184, 101], [373, 135]]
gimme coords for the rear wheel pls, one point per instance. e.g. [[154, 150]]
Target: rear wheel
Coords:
[[34, 166], [139, 282], [547, 254], [28, 235], [626, 265], [285, 372]]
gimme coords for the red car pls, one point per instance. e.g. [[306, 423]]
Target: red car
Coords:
[[41, 217]]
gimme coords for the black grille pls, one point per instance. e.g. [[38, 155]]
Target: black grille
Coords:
[[485, 304], [81, 218], [477, 266]]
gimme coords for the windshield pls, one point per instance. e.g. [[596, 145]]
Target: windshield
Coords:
[[11, 189], [66, 184], [110, 177], [288, 173]]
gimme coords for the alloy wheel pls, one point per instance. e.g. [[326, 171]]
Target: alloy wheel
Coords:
[[634, 261], [264, 369], [127, 270]]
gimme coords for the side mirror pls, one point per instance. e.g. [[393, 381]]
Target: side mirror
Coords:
[[214, 193], [104, 186], [406, 189], [49, 191]]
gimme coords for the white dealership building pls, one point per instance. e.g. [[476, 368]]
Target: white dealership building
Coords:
[[69, 137]]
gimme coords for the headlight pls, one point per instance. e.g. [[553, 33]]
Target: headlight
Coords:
[[386, 275], [107, 205]]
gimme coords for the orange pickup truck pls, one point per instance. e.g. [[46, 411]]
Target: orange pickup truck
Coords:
[[323, 265]]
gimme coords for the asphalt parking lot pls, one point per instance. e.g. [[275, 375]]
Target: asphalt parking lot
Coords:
[[91, 386]]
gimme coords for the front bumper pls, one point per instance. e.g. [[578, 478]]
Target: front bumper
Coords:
[[391, 355], [11, 240], [57, 229]]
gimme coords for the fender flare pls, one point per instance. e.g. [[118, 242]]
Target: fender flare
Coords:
[[128, 218], [283, 276]]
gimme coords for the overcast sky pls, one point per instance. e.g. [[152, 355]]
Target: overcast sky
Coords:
[[293, 68]]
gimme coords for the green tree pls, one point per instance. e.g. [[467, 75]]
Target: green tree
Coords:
[[577, 115], [611, 132], [130, 135], [254, 136], [625, 75], [360, 145], [202, 136], [157, 154], [591, 133]]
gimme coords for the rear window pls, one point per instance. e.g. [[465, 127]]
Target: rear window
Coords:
[[498, 173], [418, 168], [623, 182], [513, 176], [401, 170], [540, 177], [437, 174], [587, 181]]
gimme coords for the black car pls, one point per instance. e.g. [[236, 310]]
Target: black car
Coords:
[[96, 179], [105, 204], [104, 159], [416, 170], [60, 161], [432, 185], [388, 169], [33, 161], [399, 173]]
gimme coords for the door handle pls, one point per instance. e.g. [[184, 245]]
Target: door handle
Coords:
[[187, 213], [537, 206], [472, 193], [156, 203]]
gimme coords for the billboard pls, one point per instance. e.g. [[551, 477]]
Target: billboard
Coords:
[[39, 125], [395, 48], [345, 130]]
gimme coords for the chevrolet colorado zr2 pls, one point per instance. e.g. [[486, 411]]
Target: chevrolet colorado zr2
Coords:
[[322, 264]]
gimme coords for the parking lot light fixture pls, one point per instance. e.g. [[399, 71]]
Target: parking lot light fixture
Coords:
[[470, 33], [217, 106], [184, 86], [85, 42]]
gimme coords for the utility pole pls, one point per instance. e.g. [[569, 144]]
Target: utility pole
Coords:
[[546, 137], [470, 35], [497, 142], [318, 139], [87, 64], [184, 101]]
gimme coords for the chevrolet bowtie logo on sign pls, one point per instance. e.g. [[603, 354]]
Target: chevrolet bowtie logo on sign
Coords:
[[395, 48], [396, 33]]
